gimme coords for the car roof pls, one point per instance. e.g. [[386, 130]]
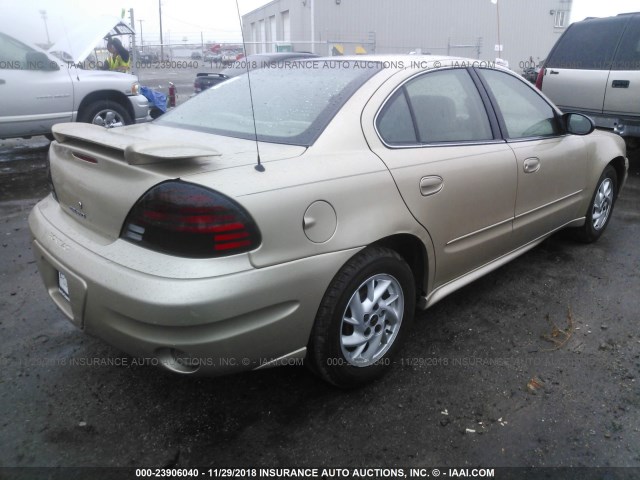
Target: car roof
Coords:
[[403, 61], [392, 63], [279, 55], [401, 56], [626, 14]]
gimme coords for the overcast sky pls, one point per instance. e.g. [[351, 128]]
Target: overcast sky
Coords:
[[216, 19]]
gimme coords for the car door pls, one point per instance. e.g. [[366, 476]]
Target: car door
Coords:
[[577, 70], [36, 93], [622, 96], [551, 166], [457, 179]]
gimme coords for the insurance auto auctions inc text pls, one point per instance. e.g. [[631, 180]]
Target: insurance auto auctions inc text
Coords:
[[369, 473]]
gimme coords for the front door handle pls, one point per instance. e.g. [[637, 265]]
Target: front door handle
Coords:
[[430, 185], [2, 82], [531, 165], [620, 84], [553, 72]]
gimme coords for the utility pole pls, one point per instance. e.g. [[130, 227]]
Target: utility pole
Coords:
[[161, 42], [141, 40], [134, 50], [313, 27], [497, 4], [44, 17]]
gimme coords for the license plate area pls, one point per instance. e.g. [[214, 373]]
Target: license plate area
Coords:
[[66, 289], [63, 286]]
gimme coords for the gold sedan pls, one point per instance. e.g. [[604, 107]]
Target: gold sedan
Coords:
[[306, 214]]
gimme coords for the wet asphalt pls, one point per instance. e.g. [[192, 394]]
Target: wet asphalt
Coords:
[[489, 376]]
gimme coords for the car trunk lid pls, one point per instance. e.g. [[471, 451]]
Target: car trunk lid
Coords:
[[98, 174]]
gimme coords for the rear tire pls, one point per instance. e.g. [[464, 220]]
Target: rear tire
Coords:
[[363, 318], [600, 208]]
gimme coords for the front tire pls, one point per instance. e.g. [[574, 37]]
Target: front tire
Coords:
[[600, 207], [105, 113], [363, 318]]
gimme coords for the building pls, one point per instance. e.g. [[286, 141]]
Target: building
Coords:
[[515, 30]]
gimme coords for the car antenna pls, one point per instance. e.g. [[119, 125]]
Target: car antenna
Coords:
[[259, 167]]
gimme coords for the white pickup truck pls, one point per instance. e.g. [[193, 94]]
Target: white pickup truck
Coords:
[[38, 90]]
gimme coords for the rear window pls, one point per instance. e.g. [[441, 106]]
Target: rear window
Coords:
[[293, 102], [588, 45]]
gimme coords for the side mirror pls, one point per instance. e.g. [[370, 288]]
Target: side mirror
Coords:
[[578, 124], [39, 61]]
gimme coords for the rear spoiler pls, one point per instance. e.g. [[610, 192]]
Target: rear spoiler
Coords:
[[137, 151]]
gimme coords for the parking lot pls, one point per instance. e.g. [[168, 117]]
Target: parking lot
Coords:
[[536, 364]]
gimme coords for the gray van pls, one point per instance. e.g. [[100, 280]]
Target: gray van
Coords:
[[594, 69]]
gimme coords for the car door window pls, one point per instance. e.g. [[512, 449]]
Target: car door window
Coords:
[[628, 55], [445, 106], [13, 54], [525, 113]]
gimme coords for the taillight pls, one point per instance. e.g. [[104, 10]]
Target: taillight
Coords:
[[188, 220], [539, 78]]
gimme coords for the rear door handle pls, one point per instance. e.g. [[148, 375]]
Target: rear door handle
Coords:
[[620, 84], [531, 165], [2, 82], [430, 185]]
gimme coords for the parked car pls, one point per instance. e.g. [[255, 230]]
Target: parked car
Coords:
[[230, 56], [309, 221], [39, 89], [594, 68], [148, 57], [205, 80], [210, 57], [196, 56], [531, 73]]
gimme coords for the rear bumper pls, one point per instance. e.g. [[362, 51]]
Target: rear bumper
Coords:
[[209, 326]]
